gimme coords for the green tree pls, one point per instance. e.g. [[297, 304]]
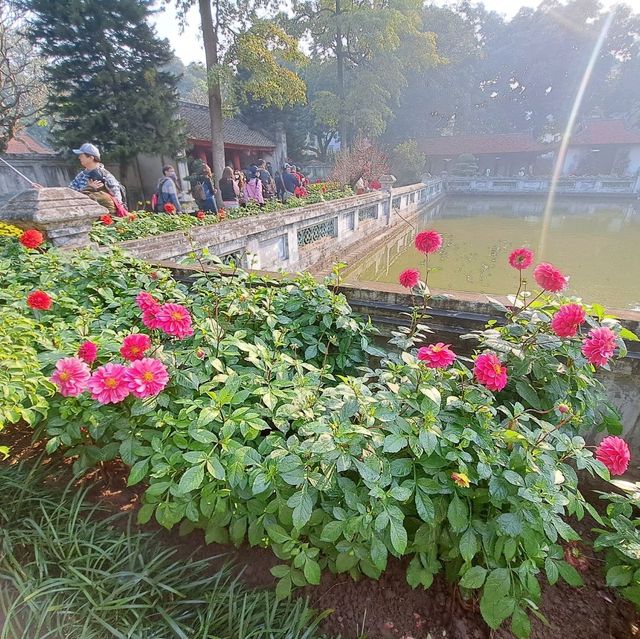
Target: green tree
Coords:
[[103, 67], [249, 55], [371, 48], [466, 165], [407, 163]]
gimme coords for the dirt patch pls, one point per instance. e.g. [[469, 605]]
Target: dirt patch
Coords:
[[387, 608]]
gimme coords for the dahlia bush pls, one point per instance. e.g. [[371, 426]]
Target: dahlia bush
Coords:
[[260, 411]]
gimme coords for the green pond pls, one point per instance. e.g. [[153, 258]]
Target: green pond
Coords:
[[596, 243]]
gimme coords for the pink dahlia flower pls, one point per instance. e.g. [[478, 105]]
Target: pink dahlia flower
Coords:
[[437, 355], [567, 320], [614, 453], [71, 376], [428, 241], [108, 384], [599, 346], [134, 346], [147, 377], [409, 278], [490, 371], [88, 352], [175, 320], [549, 278], [146, 302], [521, 258], [150, 318]]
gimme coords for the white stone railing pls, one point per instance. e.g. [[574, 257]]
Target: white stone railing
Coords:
[[577, 185], [294, 239]]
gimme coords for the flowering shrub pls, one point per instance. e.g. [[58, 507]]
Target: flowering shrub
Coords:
[[9, 230], [255, 415], [147, 224]]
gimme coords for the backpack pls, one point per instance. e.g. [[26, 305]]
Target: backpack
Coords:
[[198, 192], [157, 199]]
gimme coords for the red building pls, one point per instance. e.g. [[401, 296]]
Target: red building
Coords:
[[242, 145]]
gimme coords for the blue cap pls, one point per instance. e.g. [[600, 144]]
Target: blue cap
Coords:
[[88, 149]]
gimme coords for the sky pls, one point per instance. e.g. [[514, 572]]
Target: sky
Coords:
[[188, 45]]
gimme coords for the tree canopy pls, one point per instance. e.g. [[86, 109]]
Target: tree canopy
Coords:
[[104, 71]]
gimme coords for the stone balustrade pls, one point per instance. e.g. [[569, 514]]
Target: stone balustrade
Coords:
[[626, 187], [293, 239]]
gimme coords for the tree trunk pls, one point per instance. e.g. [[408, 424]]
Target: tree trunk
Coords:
[[342, 125], [210, 39]]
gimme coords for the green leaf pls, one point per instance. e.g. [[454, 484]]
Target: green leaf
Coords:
[[520, 624], [332, 531], [424, 506], [495, 610], [302, 504], [619, 576], [458, 514], [379, 553], [570, 574], [394, 443], [628, 335], [398, 536], [474, 577], [138, 472], [312, 571], [528, 393], [551, 569], [283, 588], [468, 544], [510, 524], [191, 479]]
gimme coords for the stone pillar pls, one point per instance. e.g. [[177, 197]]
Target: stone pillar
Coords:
[[387, 182], [184, 197], [386, 185], [63, 215]]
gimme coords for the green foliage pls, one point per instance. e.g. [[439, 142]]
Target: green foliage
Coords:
[[277, 429], [620, 538], [466, 165], [104, 71], [369, 52], [23, 387], [70, 570], [265, 52], [407, 163]]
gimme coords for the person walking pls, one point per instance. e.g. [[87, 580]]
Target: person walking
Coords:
[[167, 190], [229, 189], [89, 158], [204, 192], [290, 181], [253, 190]]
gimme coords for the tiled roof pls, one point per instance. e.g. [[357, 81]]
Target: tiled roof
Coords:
[[594, 132], [598, 132], [234, 131], [22, 143], [454, 145]]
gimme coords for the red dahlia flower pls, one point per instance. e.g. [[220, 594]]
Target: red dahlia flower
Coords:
[[39, 301], [169, 208], [549, 278], [409, 278], [107, 220], [428, 241], [614, 453], [521, 258], [567, 320], [31, 239], [490, 372], [437, 355], [599, 346]]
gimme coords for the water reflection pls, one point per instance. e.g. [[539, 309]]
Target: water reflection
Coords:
[[597, 243]]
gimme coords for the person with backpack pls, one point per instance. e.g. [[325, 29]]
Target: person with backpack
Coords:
[[204, 192], [89, 158], [167, 191], [229, 189]]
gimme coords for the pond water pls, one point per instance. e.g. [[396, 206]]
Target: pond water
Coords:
[[596, 243]]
